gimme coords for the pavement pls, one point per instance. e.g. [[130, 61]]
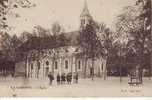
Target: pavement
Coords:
[[111, 87]]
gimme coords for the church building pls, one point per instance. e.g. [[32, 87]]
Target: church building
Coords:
[[64, 59]]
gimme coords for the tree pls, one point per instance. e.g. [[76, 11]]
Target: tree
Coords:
[[6, 9], [41, 32], [10, 46], [130, 26], [127, 26], [89, 42], [25, 36], [107, 47], [58, 38], [146, 15], [63, 40], [56, 28]]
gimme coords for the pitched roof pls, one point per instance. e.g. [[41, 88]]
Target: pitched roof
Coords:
[[73, 37], [66, 39]]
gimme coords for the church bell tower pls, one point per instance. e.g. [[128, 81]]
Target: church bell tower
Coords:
[[85, 17]]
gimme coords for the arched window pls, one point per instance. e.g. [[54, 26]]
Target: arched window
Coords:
[[82, 22], [38, 65], [66, 50], [56, 65], [47, 63], [102, 66], [79, 64], [46, 71], [31, 66], [66, 64]]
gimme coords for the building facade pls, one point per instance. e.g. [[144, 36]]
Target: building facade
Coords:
[[63, 59]]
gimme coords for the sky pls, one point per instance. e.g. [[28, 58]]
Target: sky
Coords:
[[67, 13]]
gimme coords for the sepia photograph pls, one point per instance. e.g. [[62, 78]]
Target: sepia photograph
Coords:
[[75, 48]]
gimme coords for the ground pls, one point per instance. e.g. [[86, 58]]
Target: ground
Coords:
[[86, 87]]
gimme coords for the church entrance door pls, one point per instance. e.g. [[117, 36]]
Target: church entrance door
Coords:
[[46, 71]]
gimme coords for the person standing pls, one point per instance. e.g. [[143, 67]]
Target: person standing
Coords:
[[70, 78], [58, 79], [63, 78], [76, 77], [51, 77], [67, 78]]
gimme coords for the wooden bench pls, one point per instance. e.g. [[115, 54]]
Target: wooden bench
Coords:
[[134, 83], [134, 80]]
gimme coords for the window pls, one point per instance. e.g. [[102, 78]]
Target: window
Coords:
[[102, 66], [66, 64], [47, 63], [38, 65], [82, 22], [50, 52], [46, 71], [66, 50], [79, 65], [56, 65], [76, 50], [31, 66]]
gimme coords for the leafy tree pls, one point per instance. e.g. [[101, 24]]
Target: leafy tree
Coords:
[[63, 40], [106, 48], [41, 32], [132, 31], [145, 16], [9, 43], [56, 28], [58, 38], [89, 42], [127, 26], [10, 46], [145, 13], [25, 36], [6, 9]]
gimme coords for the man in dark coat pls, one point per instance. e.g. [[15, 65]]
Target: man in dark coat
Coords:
[[76, 77], [58, 79], [63, 78], [69, 78], [51, 77]]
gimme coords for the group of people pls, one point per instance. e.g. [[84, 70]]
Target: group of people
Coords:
[[63, 78]]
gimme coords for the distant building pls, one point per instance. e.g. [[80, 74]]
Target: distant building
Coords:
[[62, 59]]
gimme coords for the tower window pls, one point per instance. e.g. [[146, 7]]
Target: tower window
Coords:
[[47, 63], [56, 65], [79, 65], [83, 22], [66, 64]]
